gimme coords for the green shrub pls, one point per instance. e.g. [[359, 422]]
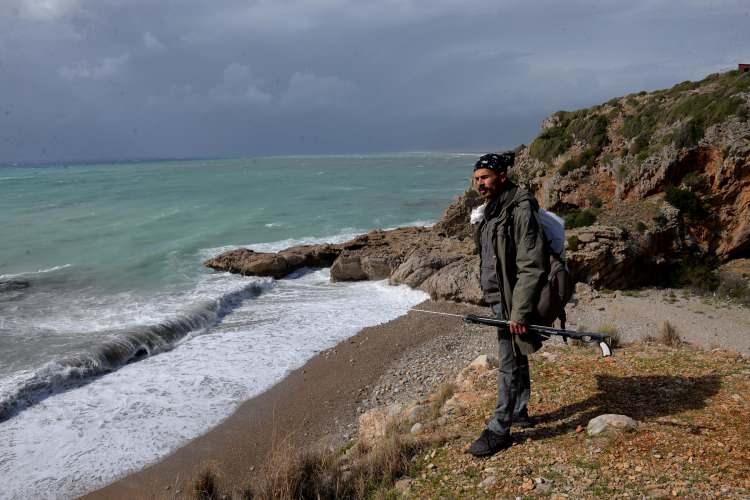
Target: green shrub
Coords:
[[595, 201], [686, 201], [579, 218], [569, 165], [733, 287], [697, 274], [707, 109], [587, 158], [692, 180], [550, 143], [640, 143], [684, 86], [621, 173], [660, 220], [594, 131], [611, 331], [743, 113], [573, 243], [688, 134]]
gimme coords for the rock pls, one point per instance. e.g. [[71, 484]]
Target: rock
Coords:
[[548, 356], [611, 422], [454, 222], [277, 265], [585, 293], [467, 378], [460, 402], [403, 486], [484, 363], [417, 428], [527, 485], [458, 281], [657, 492], [348, 267], [419, 266], [417, 412], [487, 482], [373, 424]]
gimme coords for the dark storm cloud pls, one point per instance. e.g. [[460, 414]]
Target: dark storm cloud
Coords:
[[136, 78]]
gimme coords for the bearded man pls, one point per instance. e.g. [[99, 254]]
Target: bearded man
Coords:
[[514, 265]]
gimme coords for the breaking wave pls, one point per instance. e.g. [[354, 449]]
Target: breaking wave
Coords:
[[118, 349]]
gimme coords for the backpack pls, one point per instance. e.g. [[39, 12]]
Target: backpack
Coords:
[[559, 287]]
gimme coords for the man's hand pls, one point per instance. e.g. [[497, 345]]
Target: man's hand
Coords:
[[517, 328]]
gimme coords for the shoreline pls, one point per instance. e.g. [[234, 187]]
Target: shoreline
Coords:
[[396, 362], [347, 379]]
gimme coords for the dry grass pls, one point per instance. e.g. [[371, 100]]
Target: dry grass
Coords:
[[613, 333], [668, 334], [360, 472], [205, 486], [443, 394], [691, 441]]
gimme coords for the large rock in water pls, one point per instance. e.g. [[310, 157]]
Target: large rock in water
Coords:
[[277, 265]]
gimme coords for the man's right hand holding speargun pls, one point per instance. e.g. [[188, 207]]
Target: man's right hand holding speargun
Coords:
[[514, 268]]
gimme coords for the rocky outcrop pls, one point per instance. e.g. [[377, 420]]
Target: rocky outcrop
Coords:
[[453, 222], [277, 265], [375, 255], [448, 268], [694, 137]]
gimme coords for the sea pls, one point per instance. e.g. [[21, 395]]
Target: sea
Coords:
[[117, 345]]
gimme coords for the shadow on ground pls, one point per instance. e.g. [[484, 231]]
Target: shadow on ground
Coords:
[[641, 397]]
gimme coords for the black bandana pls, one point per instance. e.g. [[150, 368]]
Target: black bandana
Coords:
[[496, 161]]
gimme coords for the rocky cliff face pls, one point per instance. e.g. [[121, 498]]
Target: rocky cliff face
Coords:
[[643, 179], [688, 145]]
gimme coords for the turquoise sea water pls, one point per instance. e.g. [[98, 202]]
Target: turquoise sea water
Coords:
[[113, 331], [139, 225]]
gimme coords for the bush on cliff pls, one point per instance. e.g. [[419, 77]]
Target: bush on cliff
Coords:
[[550, 143], [579, 218], [686, 201], [688, 134]]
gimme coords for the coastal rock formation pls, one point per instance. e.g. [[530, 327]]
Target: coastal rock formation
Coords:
[[453, 222], [277, 265]]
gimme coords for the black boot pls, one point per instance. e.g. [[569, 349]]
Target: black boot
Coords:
[[490, 443]]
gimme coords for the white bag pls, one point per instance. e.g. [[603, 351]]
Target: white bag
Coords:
[[554, 231]]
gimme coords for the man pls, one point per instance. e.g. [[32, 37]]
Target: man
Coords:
[[513, 269]]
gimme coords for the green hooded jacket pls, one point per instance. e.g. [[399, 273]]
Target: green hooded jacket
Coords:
[[522, 262]]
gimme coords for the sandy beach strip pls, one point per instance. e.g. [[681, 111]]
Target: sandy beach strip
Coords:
[[318, 403]]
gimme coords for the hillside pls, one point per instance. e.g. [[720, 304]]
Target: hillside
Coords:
[[688, 145]]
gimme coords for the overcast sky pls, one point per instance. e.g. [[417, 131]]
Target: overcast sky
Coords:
[[125, 79]]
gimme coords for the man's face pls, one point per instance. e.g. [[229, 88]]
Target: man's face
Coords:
[[489, 182]]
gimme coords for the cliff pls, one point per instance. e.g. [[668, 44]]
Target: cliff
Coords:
[[688, 145]]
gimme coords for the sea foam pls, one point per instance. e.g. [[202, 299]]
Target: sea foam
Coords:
[[83, 438]]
